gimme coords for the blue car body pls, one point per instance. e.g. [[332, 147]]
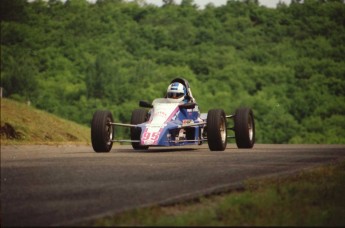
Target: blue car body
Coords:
[[170, 124]]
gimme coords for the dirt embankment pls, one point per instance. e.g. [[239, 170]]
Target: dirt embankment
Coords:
[[8, 131]]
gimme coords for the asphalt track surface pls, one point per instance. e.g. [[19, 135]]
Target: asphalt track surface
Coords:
[[65, 185]]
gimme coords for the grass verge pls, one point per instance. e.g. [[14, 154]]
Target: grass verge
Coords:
[[309, 198], [23, 124]]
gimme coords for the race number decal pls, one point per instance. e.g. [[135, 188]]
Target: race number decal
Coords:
[[163, 113], [150, 136]]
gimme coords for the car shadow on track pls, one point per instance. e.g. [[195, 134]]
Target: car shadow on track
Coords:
[[157, 150]]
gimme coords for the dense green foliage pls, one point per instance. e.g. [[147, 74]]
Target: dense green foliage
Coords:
[[72, 58]]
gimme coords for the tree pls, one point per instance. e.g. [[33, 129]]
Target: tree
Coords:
[[168, 2], [18, 73], [13, 10], [74, 57]]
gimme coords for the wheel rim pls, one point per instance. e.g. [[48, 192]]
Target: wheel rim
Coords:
[[223, 130], [250, 128], [109, 130]]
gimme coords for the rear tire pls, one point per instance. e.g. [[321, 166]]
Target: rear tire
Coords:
[[216, 130], [244, 128], [138, 116], [101, 131]]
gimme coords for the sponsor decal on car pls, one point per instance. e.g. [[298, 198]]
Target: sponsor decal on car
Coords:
[[163, 113]]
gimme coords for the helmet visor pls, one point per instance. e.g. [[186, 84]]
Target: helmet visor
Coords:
[[175, 95]]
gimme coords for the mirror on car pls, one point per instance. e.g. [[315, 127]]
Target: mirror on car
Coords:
[[145, 104], [187, 105]]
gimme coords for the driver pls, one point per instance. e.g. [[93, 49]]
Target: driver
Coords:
[[177, 92]]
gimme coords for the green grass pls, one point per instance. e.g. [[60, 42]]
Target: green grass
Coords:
[[309, 198], [32, 126]]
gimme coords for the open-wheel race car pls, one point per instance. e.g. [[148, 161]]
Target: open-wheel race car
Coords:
[[175, 122]]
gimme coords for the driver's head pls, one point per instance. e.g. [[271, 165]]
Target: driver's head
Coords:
[[176, 91]]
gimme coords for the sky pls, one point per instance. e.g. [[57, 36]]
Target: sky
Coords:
[[202, 3]]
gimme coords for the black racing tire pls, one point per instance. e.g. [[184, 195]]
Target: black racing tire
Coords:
[[216, 130], [138, 116], [244, 128], [102, 132]]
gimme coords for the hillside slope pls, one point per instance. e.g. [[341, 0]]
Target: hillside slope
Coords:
[[23, 124]]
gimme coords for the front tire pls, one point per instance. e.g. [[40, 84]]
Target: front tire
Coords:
[[216, 130], [102, 131], [244, 128], [138, 116]]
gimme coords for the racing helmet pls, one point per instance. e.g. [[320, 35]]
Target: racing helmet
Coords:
[[176, 92]]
